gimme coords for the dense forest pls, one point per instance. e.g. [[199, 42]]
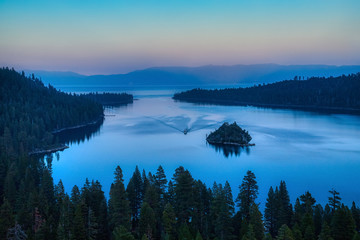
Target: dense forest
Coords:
[[151, 207], [333, 93], [110, 99], [31, 112]]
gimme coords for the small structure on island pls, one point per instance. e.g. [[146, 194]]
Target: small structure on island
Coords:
[[230, 134]]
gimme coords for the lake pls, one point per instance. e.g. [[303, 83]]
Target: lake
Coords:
[[309, 151]]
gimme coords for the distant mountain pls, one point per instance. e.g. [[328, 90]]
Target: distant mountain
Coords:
[[199, 76]]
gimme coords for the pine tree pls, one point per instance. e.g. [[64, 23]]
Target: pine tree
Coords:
[[79, 231], [147, 221], [160, 184], [135, 195], [119, 210], [285, 233], [248, 193], [183, 199], [297, 232], [307, 202], [270, 212], [250, 235], [169, 221], [121, 233], [222, 209], [334, 200], [356, 215], [307, 226], [343, 225], [284, 212], [257, 222], [325, 233], [318, 219], [75, 196]]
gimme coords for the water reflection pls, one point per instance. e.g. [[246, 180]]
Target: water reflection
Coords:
[[230, 150], [79, 135]]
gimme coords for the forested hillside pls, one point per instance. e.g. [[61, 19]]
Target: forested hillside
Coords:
[[30, 112], [338, 93]]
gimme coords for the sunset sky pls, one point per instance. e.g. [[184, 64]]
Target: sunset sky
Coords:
[[104, 37]]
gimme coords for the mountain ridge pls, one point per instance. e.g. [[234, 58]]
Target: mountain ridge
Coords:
[[240, 74]]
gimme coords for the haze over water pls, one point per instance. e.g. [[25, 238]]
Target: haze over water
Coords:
[[310, 151]]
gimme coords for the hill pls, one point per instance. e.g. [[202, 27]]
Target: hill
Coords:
[[333, 93], [30, 112]]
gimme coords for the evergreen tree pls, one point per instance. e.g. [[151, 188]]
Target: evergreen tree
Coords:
[[285, 233], [169, 221], [135, 195], [325, 233], [160, 184], [119, 210], [334, 199], [147, 221], [270, 212], [250, 235], [75, 196], [356, 215], [307, 202], [343, 225], [257, 222], [79, 231], [248, 193], [284, 212], [318, 218], [183, 199], [297, 232], [121, 233]]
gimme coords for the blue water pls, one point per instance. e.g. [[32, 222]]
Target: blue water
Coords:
[[310, 151]]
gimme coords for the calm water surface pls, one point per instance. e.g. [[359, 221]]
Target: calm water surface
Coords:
[[310, 151]]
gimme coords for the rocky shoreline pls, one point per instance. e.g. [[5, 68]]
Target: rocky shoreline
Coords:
[[60, 147], [79, 126]]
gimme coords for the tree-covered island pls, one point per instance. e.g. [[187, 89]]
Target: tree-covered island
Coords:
[[230, 134]]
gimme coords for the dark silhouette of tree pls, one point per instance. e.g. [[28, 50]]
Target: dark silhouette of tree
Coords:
[[248, 193], [334, 200], [119, 210]]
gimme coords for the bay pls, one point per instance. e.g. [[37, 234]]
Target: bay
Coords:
[[310, 151]]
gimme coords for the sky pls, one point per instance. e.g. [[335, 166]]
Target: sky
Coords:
[[118, 36]]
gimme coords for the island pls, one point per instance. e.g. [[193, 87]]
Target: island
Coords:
[[230, 134]]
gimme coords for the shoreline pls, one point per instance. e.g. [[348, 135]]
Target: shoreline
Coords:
[[61, 147], [231, 144], [79, 126], [335, 110]]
